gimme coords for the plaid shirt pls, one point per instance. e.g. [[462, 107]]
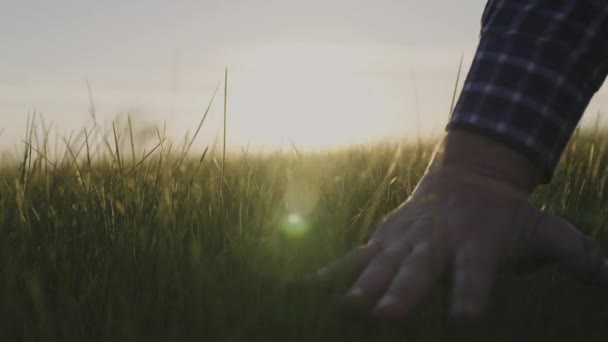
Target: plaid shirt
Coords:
[[537, 66]]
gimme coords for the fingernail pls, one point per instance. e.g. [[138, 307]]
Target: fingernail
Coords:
[[386, 302], [385, 308], [355, 292]]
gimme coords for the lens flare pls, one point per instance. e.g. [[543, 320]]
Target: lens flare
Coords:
[[295, 225], [294, 219]]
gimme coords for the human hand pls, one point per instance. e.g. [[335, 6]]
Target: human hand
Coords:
[[470, 224]]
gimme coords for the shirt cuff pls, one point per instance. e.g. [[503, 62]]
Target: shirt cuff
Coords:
[[536, 68]]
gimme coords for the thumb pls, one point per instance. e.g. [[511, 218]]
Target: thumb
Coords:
[[561, 241]]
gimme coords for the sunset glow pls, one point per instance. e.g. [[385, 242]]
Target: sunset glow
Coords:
[[310, 95], [316, 74]]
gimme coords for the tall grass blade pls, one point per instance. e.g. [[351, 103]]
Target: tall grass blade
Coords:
[[453, 103]]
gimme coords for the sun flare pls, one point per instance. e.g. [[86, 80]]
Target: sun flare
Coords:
[[313, 96]]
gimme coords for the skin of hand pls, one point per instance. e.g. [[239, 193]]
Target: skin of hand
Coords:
[[470, 217]]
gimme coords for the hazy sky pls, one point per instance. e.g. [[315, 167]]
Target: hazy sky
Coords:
[[318, 72]]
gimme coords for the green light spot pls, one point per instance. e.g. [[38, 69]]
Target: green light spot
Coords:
[[295, 225], [294, 219]]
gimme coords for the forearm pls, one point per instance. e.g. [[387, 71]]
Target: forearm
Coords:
[[537, 66]]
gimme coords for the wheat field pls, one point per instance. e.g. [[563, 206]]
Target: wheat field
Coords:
[[108, 242]]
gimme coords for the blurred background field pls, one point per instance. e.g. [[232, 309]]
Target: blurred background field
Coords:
[[106, 242]]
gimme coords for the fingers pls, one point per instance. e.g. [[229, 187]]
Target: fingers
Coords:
[[562, 241], [355, 261], [379, 272], [474, 272], [413, 281], [351, 263]]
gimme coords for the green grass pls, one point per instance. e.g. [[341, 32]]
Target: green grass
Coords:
[[100, 245]]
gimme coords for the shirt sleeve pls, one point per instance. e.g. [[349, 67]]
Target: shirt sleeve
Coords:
[[537, 65]]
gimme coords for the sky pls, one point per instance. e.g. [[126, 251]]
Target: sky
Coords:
[[320, 73]]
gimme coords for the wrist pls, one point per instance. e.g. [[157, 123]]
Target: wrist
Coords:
[[478, 156]]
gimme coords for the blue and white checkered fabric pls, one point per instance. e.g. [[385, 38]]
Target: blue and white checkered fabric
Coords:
[[537, 66]]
